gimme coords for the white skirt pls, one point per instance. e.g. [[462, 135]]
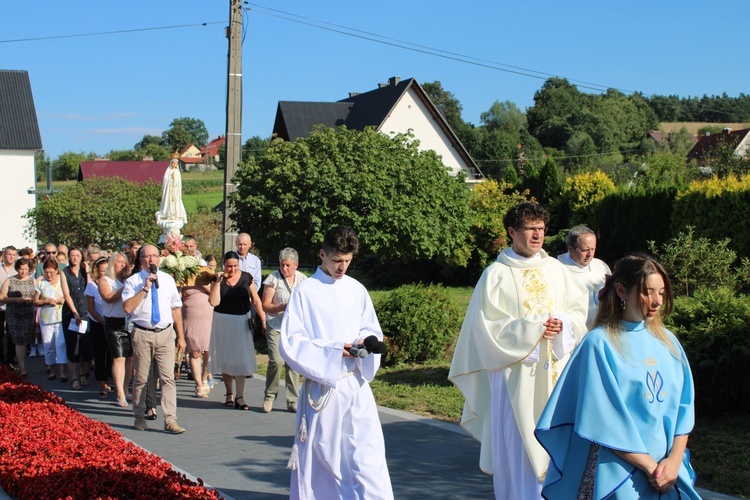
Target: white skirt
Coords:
[[231, 349]]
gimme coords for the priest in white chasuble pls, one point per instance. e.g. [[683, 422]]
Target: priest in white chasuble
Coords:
[[525, 317]]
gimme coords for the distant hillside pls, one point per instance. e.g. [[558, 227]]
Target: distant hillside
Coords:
[[693, 127]]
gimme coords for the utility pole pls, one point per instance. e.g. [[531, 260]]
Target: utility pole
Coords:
[[234, 117]]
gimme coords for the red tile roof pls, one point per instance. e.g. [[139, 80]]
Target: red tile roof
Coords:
[[134, 171], [212, 148], [730, 138]]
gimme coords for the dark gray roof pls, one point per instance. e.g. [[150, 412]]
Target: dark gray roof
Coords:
[[296, 119], [373, 107], [19, 128]]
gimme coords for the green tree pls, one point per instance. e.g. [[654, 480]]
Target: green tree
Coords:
[[41, 162], [401, 201], [177, 138], [196, 129], [93, 211], [663, 169], [580, 149], [205, 225], [550, 119], [123, 155], [157, 152], [504, 116], [149, 140], [447, 101], [65, 166], [255, 147]]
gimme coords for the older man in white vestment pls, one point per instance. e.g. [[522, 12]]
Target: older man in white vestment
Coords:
[[339, 450], [587, 269], [526, 315]]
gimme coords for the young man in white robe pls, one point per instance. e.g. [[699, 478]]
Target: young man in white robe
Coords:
[[587, 269], [526, 315], [339, 450]]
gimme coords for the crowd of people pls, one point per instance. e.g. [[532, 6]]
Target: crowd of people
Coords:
[[115, 316], [572, 385]]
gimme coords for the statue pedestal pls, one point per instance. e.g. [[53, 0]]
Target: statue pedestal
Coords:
[[171, 226]]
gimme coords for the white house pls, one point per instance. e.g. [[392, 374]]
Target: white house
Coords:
[[394, 107], [19, 140]]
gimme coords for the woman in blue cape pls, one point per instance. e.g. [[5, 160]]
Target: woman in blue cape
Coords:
[[617, 422]]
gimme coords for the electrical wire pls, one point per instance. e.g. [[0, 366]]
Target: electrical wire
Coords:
[[116, 32], [426, 49]]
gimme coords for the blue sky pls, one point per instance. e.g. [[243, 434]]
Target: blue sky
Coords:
[[104, 92]]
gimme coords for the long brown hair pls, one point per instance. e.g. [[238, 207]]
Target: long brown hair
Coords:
[[631, 271]]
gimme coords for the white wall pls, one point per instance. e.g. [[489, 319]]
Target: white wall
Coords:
[[411, 113], [17, 174]]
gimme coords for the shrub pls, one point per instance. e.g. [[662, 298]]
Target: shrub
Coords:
[[419, 321], [583, 191], [712, 327], [696, 263]]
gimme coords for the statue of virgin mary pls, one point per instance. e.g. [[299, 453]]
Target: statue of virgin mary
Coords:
[[171, 215]]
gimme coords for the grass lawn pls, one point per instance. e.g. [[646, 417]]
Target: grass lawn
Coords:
[[209, 198]]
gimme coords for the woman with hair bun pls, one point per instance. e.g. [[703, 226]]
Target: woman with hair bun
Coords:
[[231, 346]]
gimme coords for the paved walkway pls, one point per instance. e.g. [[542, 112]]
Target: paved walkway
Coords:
[[244, 454]]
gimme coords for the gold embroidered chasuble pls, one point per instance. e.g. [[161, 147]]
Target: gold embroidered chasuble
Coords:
[[502, 330]]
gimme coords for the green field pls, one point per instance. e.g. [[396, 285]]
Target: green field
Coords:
[[198, 188]]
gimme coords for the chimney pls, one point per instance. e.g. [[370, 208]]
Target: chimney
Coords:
[[353, 94], [393, 81], [382, 85]]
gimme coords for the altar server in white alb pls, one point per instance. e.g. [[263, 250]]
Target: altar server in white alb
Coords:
[[526, 315], [587, 269], [339, 451]]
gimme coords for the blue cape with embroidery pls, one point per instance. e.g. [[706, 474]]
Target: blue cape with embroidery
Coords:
[[635, 399]]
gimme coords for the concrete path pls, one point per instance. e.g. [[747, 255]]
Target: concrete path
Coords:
[[244, 454]]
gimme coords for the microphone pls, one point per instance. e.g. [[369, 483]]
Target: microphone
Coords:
[[152, 268], [371, 344]]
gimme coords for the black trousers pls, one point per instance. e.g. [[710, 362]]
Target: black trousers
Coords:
[[7, 348]]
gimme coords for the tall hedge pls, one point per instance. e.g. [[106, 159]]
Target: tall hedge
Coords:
[[626, 220], [717, 209]]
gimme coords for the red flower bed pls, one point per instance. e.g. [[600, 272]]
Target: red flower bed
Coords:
[[49, 450]]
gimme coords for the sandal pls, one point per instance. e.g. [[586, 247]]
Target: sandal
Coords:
[[63, 378], [51, 376], [103, 395], [202, 392], [84, 380], [229, 403], [239, 406], [122, 403], [76, 384], [151, 414]]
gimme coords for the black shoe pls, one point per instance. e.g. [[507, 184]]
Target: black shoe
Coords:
[[151, 414]]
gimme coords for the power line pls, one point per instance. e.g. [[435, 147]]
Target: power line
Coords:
[[531, 159], [374, 37], [117, 32], [406, 45]]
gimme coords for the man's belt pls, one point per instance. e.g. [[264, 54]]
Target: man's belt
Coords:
[[155, 330]]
